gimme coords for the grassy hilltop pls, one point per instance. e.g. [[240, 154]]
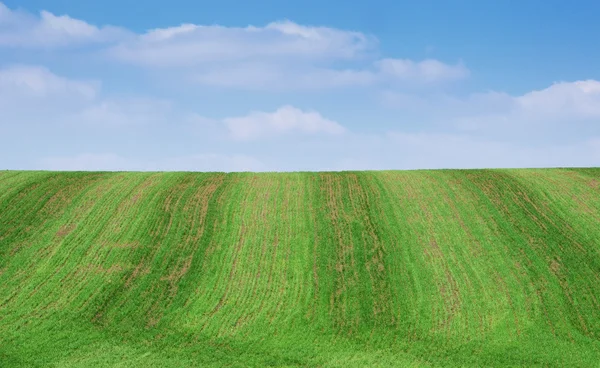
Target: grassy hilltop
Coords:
[[391, 268]]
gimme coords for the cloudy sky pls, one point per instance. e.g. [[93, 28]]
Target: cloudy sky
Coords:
[[287, 86]]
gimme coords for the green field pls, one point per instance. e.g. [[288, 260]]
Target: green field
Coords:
[[435, 268]]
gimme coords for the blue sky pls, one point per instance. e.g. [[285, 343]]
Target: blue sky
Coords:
[[286, 86]]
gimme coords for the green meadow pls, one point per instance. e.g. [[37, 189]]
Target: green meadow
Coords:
[[441, 268]]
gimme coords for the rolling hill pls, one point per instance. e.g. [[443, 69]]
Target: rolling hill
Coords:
[[340, 269]]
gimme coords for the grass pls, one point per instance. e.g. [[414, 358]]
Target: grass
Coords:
[[391, 268]]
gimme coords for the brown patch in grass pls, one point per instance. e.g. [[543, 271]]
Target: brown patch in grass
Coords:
[[560, 272], [140, 269], [153, 319], [555, 267], [451, 297], [128, 245], [28, 190], [65, 230], [177, 273], [433, 252], [346, 275], [16, 248]]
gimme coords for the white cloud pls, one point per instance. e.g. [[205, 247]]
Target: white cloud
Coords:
[[281, 55], [448, 106], [193, 45], [36, 81], [285, 120], [21, 29], [268, 75], [560, 110], [122, 112], [428, 70], [553, 126], [580, 99], [35, 95], [566, 110], [274, 77]]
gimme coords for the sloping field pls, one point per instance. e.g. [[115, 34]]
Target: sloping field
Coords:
[[416, 269]]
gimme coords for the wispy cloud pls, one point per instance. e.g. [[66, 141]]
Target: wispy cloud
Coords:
[[285, 120], [122, 112], [38, 81], [33, 94], [580, 99], [281, 55], [46, 30], [564, 108], [556, 124], [429, 70], [191, 44], [268, 75]]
